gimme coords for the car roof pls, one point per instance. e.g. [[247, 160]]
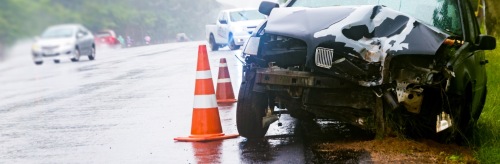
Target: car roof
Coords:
[[66, 26]]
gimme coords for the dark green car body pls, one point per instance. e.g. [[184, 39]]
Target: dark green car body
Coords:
[[376, 64]]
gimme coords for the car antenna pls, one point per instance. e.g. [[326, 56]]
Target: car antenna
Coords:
[[400, 1]]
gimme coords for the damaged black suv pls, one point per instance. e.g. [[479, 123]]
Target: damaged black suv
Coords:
[[383, 65]]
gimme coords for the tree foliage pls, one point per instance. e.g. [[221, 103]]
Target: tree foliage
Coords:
[[161, 19], [492, 16]]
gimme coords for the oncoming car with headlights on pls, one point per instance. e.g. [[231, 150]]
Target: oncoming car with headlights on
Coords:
[[68, 41]]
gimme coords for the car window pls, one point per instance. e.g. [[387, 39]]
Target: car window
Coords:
[[103, 34], [57, 32], [82, 31], [236, 16], [471, 23], [443, 14], [222, 17]]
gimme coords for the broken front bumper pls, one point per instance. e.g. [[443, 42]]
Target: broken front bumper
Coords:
[[285, 77], [325, 96], [333, 97]]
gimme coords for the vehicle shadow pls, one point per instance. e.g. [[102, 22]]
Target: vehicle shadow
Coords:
[[322, 135]]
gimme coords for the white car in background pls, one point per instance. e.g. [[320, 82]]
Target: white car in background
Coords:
[[233, 27], [68, 41]]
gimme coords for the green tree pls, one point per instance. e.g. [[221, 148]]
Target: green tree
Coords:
[[161, 19]]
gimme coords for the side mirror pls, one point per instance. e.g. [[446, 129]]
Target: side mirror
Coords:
[[79, 35], [486, 42], [266, 7], [223, 21]]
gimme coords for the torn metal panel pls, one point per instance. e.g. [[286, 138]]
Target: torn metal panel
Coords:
[[300, 23]]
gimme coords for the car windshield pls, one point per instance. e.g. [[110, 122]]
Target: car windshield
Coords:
[[246, 15], [58, 32], [443, 14], [103, 35]]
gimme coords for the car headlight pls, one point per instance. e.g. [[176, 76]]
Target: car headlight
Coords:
[[36, 47], [252, 46]]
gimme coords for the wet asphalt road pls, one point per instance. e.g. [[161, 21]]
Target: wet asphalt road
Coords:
[[124, 107]]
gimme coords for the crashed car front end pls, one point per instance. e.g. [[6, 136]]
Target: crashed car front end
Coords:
[[338, 61]]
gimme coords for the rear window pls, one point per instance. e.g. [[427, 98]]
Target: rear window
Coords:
[[103, 34]]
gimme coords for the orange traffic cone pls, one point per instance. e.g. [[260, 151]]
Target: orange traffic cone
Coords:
[[205, 125], [224, 92]]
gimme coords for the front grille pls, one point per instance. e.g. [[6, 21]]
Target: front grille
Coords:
[[48, 55], [49, 47], [284, 51], [324, 57]]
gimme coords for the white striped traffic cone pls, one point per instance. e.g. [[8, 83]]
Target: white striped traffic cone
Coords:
[[224, 92], [205, 124]]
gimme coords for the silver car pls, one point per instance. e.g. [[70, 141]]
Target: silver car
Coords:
[[68, 41]]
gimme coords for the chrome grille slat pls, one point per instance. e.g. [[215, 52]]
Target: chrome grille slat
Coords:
[[324, 57]]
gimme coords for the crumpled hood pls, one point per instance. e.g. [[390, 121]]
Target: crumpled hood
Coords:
[[356, 30]]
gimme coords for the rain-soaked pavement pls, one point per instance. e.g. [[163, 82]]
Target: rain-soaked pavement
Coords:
[[129, 104]]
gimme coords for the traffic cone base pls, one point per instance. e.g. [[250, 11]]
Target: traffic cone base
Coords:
[[227, 101], [224, 92], [222, 88], [205, 125], [206, 138]]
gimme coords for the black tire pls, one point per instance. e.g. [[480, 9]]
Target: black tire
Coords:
[[477, 114], [213, 45], [463, 123], [231, 44], [76, 56], [92, 53], [38, 62], [57, 61], [250, 110]]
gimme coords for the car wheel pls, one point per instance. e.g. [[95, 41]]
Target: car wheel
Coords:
[[232, 45], [462, 122], [57, 61], [213, 45], [424, 124], [76, 55], [38, 62], [251, 109], [92, 53]]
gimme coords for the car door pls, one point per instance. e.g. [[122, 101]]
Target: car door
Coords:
[[222, 28], [89, 40], [84, 40], [476, 58], [470, 74], [80, 41]]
